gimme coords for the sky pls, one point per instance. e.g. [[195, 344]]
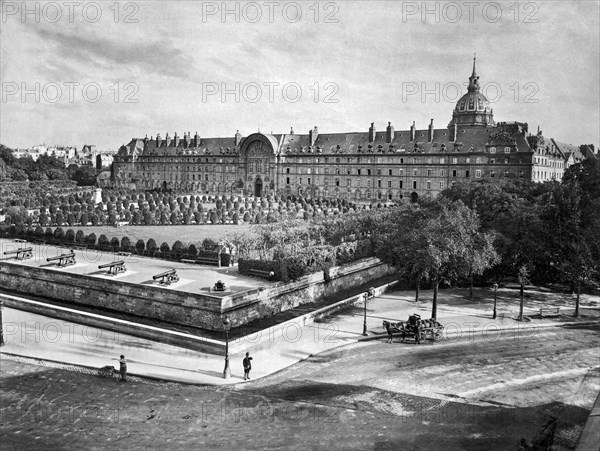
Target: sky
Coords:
[[103, 72]]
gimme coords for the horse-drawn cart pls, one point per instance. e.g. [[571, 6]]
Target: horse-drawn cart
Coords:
[[415, 328]]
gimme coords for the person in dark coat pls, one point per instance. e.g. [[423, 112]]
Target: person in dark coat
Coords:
[[247, 366]]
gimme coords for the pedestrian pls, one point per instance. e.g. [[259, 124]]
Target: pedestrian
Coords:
[[123, 368], [247, 366]]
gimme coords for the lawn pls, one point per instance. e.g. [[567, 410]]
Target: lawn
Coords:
[[187, 234]]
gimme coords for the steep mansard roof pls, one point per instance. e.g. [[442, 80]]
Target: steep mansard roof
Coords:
[[468, 139]]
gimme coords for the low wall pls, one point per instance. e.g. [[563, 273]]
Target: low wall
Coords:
[[195, 309], [192, 309]]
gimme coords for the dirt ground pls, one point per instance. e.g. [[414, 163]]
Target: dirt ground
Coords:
[[480, 394]]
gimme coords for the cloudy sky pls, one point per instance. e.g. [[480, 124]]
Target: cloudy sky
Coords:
[[98, 74]]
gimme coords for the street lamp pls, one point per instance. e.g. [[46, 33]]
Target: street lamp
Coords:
[[227, 326], [1, 326], [495, 290], [366, 296]]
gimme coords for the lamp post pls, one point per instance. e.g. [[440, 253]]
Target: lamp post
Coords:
[[1, 326], [366, 296], [495, 290], [227, 326]]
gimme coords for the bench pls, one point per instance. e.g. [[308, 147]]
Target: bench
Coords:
[[124, 254], [208, 261], [550, 312], [263, 274]]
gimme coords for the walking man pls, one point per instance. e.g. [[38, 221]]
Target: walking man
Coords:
[[247, 366], [123, 368]]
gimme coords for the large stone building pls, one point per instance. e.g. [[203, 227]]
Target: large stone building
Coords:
[[386, 165]]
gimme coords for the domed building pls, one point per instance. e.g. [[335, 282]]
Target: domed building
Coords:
[[363, 166], [473, 109]]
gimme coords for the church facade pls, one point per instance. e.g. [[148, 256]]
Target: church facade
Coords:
[[383, 165]]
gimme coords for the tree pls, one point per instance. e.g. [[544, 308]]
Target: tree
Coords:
[[439, 241]]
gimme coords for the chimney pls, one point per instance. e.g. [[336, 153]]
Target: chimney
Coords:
[[167, 139], [145, 139], [412, 131], [196, 140], [431, 131], [238, 138], [291, 131], [389, 133], [453, 132], [158, 140], [186, 139], [372, 132], [312, 135], [176, 140]]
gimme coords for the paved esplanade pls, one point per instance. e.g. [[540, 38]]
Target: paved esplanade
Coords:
[[32, 335]]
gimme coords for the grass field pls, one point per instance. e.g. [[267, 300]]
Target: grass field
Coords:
[[187, 234]]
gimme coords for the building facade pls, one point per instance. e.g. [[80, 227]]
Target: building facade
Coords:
[[359, 166]]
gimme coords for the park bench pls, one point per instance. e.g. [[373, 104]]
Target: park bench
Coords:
[[187, 260], [124, 254], [208, 261], [550, 312], [260, 273], [114, 268]]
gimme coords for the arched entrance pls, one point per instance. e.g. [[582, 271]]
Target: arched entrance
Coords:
[[258, 188], [414, 197]]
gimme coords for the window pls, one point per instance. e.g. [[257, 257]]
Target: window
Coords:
[[492, 173], [467, 173], [368, 172], [326, 170], [428, 184], [389, 183], [521, 174], [348, 172], [507, 150], [358, 172], [428, 173], [400, 171], [478, 174], [378, 183], [400, 184], [287, 181], [414, 160], [454, 173], [308, 181], [308, 170], [478, 160], [442, 160], [378, 171], [492, 161], [300, 181], [506, 161], [368, 183], [442, 173], [414, 184], [401, 160], [454, 160], [389, 172], [337, 160], [348, 182], [468, 160], [415, 171], [441, 185]]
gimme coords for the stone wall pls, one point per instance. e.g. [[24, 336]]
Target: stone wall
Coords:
[[172, 306]]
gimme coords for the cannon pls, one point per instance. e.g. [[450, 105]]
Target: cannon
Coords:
[[22, 253], [416, 328], [63, 259], [114, 268], [167, 277]]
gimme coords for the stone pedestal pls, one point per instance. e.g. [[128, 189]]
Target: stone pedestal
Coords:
[[98, 196]]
